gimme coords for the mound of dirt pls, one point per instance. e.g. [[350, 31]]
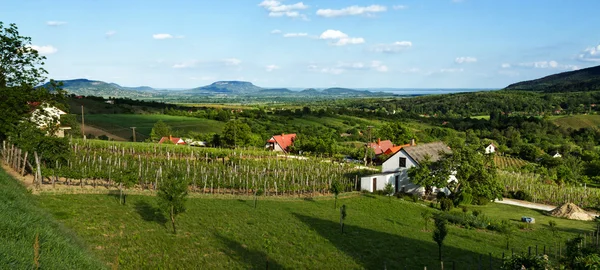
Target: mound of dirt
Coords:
[[571, 211]]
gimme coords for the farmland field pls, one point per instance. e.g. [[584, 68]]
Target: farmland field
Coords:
[[577, 121], [119, 124], [506, 162], [291, 234]]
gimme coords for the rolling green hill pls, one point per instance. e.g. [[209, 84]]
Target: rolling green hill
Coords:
[[86, 87], [587, 79], [21, 220], [577, 121], [119, 124]]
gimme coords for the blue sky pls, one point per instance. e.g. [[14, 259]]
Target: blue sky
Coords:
[[325, 43]]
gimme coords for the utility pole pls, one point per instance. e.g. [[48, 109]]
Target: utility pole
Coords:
[[368, 144], [82, 123], [133, 128]]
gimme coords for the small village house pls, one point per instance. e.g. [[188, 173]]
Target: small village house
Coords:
[[395, 169], [380, 146], [45, 115], [281, 143], [174, 140], [491, 148], [555, 154]]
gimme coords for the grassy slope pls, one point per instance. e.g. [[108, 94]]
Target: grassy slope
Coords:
[[577, 121], [119, 124], [293, 234], [21, 219]]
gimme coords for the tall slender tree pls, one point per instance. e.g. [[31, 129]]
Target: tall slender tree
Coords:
[[440, 232], [172, 195]]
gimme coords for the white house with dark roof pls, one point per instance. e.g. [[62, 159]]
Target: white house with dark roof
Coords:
[[395, 169], [491, 148]]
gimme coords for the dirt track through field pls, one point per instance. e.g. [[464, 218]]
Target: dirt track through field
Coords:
[[531, 205]]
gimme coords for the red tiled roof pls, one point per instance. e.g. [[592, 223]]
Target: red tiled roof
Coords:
[[284, 140], [395, 149], [175, 140], [381, 146]]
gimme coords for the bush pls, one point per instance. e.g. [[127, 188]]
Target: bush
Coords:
[[414, 197], [482, 201], [469, 221], [440, 195], [446, 204], [520, 195], [529, 262], [476, 212], [399, 195], [466, 198], [464, 209]]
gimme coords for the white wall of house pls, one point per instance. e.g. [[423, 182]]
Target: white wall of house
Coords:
[[392, 164], [276, 146], [490, 149]]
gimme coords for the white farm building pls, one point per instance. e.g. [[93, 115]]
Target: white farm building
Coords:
[[395, 169]]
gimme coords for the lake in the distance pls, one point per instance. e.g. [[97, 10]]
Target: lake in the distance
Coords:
[[428, 91]]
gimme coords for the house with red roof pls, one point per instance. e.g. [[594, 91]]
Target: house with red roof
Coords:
[[281, 143], [380, 146], [397, 148], [174, 140]]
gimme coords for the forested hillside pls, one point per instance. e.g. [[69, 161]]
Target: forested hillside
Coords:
[[587, 79]]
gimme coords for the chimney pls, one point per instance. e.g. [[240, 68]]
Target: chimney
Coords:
[[282, 134], [378, 141], [412, 142], [170, 137]]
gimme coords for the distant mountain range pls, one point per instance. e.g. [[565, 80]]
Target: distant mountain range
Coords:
[[86, 87], [587, 79]]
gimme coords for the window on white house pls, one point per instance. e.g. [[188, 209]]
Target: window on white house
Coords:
[[402, 162]]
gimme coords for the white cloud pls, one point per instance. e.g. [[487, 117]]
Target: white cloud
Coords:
[[397, 7], [270, 68], [505, 65], [378, 66], [110, 33], [55, 23], [395, 47], [333, 34], [288, 35], [276, 31], [463, 60], [351, 11], [44, 50], [548, 65], [591, 54], [340, 38], [451, 70], [189, 64], [346, 41], [342, 67], [232, 62], [410, 70], [162, 36], [277, 9]]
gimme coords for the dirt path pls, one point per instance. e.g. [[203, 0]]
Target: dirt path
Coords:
[[531, 205]]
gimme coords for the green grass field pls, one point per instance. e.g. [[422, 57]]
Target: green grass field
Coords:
[[228, 233], [119, 124], [21, 219], [577, 121]]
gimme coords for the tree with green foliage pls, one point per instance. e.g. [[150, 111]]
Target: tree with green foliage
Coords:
[[172, 195], [257, 193], [343, 215], [236, 133], [426, 216], [21, 73], [126, 177], [427, 175], [552, 227], [159, 130], [395, 132], [475, 174], [336, 188], [389, 191], [507, 229], [439, 233]]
